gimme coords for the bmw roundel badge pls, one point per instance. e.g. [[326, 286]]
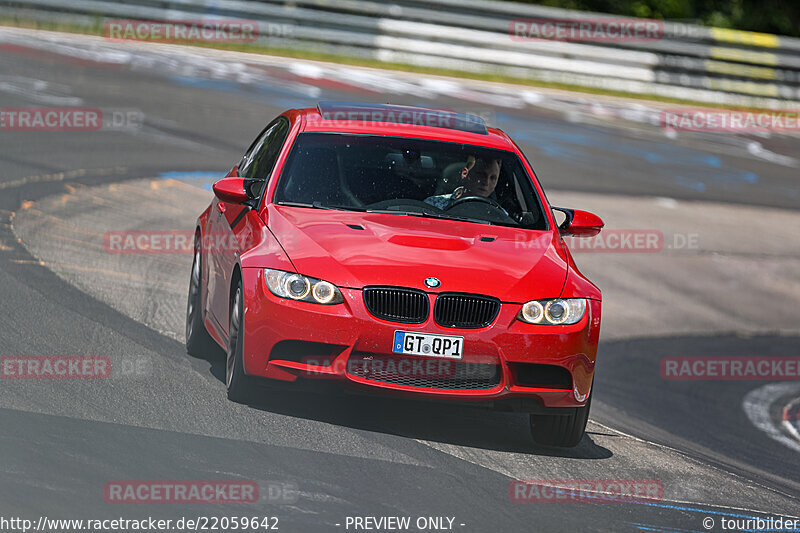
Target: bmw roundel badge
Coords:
[[432, 282]]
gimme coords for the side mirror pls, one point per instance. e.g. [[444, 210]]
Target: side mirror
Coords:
[[231, 190], [580, 223]]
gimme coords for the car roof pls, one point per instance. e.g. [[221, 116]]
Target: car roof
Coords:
[[402, 121]]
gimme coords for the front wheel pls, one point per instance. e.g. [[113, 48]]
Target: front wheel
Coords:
[[564, 431], [238, 383]]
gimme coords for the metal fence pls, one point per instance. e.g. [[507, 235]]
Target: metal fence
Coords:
[[684, 61]]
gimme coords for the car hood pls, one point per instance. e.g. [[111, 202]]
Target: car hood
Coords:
[[353, 250]]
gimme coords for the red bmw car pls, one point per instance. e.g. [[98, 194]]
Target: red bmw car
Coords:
[[400, 249]]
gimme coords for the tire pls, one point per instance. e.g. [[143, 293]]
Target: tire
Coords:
[[563, 431], [239, 384], [198, 341]]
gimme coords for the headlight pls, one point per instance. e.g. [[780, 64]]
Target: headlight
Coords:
[[554, 312], [302, 288], [532, 312]]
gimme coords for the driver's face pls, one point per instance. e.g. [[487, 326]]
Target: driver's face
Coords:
[[481, 180]]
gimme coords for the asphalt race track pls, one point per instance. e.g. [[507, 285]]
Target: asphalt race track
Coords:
[[723, 283]]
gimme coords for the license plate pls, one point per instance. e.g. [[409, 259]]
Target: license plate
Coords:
[[412, 343]]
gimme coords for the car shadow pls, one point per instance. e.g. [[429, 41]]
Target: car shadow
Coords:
[[655, 408], [437, 422]]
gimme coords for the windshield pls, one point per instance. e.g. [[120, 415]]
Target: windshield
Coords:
[[409, 176]]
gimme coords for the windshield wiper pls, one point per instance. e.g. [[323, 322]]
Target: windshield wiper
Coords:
[[455, 217], [296, 204], [319, 205], [425, 214]]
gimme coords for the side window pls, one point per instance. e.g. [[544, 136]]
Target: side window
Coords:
[[265, 153], [247, 161]]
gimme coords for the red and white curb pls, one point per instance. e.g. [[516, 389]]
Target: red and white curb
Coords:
[[791, 418], [757, 404]]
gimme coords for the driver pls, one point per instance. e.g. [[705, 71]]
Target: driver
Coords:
[[479, 177]]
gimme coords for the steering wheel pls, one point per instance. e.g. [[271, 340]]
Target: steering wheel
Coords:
[[483, 199]]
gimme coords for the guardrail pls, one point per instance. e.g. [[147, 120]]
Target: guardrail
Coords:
[[684, 61]]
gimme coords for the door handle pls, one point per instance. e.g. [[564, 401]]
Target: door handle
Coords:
[[220, 207]]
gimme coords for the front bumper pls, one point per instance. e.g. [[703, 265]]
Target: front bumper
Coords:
[[285, 339]]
